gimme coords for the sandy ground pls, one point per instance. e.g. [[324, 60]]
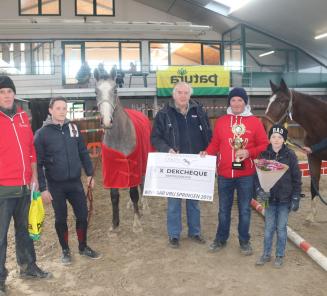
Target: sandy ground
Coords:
[[143, 264]]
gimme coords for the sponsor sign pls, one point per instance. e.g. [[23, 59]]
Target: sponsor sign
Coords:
[[186, 176], [205, 80]]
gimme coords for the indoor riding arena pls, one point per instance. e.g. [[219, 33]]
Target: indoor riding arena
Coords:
[[134, 52]]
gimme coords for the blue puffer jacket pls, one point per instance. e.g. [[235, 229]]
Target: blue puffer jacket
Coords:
[[168, 126], [61, 152], [289, 185]]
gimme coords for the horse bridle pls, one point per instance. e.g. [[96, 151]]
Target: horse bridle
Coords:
[[112, 104], [287, 113]]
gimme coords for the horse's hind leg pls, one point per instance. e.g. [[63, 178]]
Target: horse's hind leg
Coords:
[[114, 194], [315, 166], [134, 194]]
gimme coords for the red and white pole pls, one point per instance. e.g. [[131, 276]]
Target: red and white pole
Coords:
[[318, 257]]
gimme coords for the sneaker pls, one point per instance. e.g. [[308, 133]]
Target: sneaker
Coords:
[[216, 246], [174, 242], [278, 262], [198, 239], [262, 260], [88, 252], [246, 249], [32, 271], [66, 257]]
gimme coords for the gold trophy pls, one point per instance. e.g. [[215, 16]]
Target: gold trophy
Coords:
[[238, 143]]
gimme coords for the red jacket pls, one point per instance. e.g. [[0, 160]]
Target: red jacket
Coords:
[[221, 145], [17, 151]]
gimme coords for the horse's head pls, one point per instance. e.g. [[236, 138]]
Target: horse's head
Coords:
[[106, 95], [279, 105]]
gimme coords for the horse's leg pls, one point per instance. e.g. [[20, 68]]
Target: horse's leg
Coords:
[[134, 194], [144, 200], [114, 194], [315, 166]]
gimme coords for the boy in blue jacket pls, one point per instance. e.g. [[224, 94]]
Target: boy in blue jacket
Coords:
[[283, 197]]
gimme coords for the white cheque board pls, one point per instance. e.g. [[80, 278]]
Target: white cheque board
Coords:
[[186, 176]]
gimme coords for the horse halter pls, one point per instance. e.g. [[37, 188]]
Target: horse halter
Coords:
[[112, 104], [286, 114]]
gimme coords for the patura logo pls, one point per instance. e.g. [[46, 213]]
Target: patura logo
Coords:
[[194, 78]]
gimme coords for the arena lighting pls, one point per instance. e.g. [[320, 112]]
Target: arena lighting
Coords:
[[266, 53], [321, 36]]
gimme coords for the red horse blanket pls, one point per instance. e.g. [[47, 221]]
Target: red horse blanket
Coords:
[[124, 171]]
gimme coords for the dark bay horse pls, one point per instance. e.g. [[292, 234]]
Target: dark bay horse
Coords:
[[125, 147], [310, 113]]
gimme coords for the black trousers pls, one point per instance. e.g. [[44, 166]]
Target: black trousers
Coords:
[[73, 192]]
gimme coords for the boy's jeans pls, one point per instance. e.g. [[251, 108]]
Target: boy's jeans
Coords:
[[226, 187], [174, 217], [17, 208], [276, 217]]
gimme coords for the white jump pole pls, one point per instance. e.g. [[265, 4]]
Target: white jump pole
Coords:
[[318, 257]]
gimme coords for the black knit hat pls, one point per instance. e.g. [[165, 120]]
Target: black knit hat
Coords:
[[280, 130], [6, 82], [238, 92]]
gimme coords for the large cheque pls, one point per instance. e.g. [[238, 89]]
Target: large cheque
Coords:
[[187, 176]]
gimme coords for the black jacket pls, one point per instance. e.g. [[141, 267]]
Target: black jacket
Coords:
[[289, 185], [61, 152], [168, 132]]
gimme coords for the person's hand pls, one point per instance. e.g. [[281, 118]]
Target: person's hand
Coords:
[[307, 150], [90, 182], [34, 184], [46, 196], [295, 203], [172, 151], [263, 195], [203, 153], [242, 154]]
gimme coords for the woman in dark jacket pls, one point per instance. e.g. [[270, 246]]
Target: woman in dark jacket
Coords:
[[283, 196]]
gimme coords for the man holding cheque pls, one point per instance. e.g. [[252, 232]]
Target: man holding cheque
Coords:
[[182, 126]]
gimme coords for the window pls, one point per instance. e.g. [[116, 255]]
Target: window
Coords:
[[75, 110], [159, 56], [130, 53], [165, 54], [95, 7], [109, 53], [211, 54], [183, 54], [26, 58], [39, 7]]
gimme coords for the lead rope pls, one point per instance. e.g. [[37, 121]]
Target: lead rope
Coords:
[[89, 193]]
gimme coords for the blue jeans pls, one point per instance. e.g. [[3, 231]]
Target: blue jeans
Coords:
[[174, 217], [226, 188], [276, 217], [18, 209]]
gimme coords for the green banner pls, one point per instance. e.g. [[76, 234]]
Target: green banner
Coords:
[[205, 80]]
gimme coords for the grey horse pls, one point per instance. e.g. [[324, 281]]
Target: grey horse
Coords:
[[121, 137]]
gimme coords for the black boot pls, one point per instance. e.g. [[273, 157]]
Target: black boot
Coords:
[[32, 271]]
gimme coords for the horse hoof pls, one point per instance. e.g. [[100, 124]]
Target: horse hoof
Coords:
[[114, 229], [310, 219], [137, 226], [129, 205]]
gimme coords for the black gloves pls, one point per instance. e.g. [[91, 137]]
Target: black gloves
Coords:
[[295, 203]]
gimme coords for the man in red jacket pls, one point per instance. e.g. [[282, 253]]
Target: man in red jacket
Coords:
[[238, 138], [17, 174]]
